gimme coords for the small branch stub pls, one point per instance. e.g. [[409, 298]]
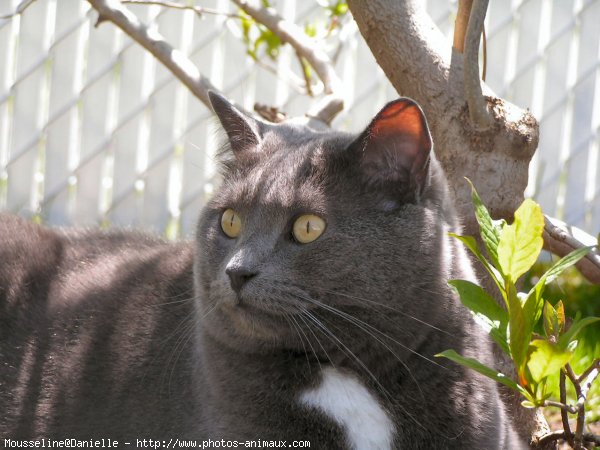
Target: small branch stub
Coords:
[[562, 435], [561, 239], [460, 24]]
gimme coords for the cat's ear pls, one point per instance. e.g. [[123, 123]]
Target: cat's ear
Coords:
[[394, 149], [243, 131]]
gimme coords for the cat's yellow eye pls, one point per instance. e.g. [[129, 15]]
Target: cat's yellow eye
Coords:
[[308, 228], [231, 223]]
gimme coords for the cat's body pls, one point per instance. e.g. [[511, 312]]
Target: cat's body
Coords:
[[246, 333]]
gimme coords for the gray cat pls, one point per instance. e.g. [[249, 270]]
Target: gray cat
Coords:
[[308, 308]]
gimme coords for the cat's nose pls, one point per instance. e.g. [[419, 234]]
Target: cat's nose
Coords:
[[238, 276]]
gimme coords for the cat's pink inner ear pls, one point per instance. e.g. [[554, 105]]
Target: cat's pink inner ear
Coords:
[[396, 146], [405, 120]]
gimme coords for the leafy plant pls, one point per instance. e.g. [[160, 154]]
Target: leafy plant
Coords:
[[511, 251], [256, 35]]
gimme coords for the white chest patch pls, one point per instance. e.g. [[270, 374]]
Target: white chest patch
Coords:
[[347, 401]]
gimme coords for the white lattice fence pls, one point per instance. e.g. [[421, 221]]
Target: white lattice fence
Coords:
[[94, 130]]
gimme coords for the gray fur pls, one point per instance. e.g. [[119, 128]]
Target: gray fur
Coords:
[[121, 335]]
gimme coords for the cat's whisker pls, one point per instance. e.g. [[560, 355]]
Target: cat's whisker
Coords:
[[300, 332], [175, 302], [182, 344], [315, 336], [383, 305], [358, 323], [184, 293], [183, 323], [346, 350], [185, 330], [361, 323], [364, 367], [181, 331], [349, 353], [365, 328]]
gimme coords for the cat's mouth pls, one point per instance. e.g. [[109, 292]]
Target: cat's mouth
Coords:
[[257, 322], [248, 305]]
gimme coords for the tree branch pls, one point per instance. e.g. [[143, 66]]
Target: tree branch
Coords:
[[477, 103], [178, 63], [562, 435], [562, 406], [332, 103], [595, 366], [563, 412], [21, 7], [460, 24], [199, 10], [581, 390], [561, 239]]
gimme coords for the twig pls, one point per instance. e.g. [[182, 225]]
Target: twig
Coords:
[[581, 392], [270, 113], [563, 412], [460, 24], [21, 7], [305, 72], [480, 117], [174, 5], [290, 78], [179, 64], [561, 239], [595, 366], [563, 406], [332, 103], [558, 435]]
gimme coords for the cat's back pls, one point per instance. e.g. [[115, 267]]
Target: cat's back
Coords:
[[61, 270], [86, 323]]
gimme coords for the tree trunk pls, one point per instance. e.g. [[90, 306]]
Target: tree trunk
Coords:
[[420, 63]]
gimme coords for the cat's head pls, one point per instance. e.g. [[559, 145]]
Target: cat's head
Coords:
[[311, 230]]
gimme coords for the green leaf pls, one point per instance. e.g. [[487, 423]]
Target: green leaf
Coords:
[[471, 244], [532, 310], [486, 311], [534, 303], [481, 368], [521, 242], [490, 233], [479, 301], [519, 333], [546, 359], [271, 42], [500, 338], [562, 264], [560, 313], [527, 404], [573, 331], [550, 315], [339, 9], [310, 30]]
